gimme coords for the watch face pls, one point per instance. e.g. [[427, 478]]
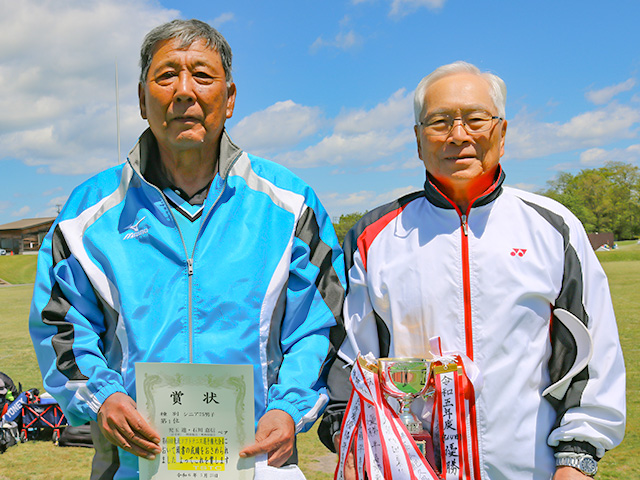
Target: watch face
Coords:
[[589, 466]]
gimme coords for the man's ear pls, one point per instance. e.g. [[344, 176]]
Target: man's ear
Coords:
[[142, 101], [231, 99], [504, 134], [415, 130]]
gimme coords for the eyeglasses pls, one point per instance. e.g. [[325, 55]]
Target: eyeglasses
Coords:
[[473, 122]]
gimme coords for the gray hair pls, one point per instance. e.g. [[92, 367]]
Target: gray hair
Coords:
[[188, 32], [497, 87]]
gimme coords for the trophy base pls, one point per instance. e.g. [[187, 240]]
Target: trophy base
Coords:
[[425, 444]]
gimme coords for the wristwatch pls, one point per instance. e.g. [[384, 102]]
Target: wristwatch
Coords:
[[583, 462]]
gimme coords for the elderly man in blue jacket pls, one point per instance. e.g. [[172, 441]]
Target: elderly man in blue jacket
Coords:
[[192, 251]]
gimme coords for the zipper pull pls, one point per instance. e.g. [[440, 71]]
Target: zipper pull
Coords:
[[190, 265], [465, 229]]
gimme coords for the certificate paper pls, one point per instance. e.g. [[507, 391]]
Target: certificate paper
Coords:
[[204, 414]]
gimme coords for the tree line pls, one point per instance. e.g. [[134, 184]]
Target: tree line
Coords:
[[605, 199]]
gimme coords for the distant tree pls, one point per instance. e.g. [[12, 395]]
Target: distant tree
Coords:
[[345, 223], [605, 199]]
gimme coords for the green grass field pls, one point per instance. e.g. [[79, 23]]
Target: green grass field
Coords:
[[41, 460], [18, 269]]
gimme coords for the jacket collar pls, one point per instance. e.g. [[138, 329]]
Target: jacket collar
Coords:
[[146, 150], [439, 199]]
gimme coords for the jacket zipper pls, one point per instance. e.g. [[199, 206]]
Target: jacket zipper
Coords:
[[189, 260], [190, 306], [468, 332], [190, 268], [466, 287]]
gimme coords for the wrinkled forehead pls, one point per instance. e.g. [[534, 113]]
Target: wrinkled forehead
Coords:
[[459, 92], [162, 47]]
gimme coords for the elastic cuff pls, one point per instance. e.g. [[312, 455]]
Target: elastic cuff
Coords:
[[286, 407], [101, 395], [576, 446]]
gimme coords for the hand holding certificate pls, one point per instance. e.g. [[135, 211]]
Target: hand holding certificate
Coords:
[[275, 436], [122, 424], [204, 415]]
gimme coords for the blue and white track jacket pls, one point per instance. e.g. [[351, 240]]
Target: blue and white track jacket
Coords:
[[116, 285]]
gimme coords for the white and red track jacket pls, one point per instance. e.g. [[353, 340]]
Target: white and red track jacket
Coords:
[[486, 281]]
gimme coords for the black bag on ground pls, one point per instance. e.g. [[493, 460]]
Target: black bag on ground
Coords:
[[76, 437], [9, 435]]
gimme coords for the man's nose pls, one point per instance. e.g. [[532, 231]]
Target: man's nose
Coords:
[[458, 133], [185, 87]]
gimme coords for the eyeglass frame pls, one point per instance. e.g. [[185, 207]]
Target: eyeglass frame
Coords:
[[463, 124]]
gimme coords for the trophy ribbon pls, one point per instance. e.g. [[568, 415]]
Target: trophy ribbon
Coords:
[[457, 382], [383, 447]]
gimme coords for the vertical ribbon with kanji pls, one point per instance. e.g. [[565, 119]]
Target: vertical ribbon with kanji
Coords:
[[456, 381]]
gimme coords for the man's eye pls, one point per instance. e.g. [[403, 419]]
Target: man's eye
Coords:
[[202, 76], [478, 117], [166, 76], [438, 122]]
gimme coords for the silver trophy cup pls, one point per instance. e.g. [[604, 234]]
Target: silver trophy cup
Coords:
[[405, 379]]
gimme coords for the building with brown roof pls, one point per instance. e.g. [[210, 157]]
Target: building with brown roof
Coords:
[[24, 236]]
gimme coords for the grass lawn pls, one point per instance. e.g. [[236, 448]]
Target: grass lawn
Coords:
[[17, 269], [40, 460]]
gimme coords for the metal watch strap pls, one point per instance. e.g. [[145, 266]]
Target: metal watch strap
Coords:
[[583, 462]]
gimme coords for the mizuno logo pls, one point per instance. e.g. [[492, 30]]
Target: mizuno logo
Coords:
[[136, 230], [134, 227], [519, 252]]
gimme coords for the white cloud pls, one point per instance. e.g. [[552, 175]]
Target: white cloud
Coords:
[[343, 203], [222, 19], [21, 212], [58, 75], [4, 205], [280, 125], [362, 136], [51, 191], [338, 148], [593, 156], [395, 112], [604, 95], [529, 187], [413, 163], [404, 7], [529, 138], [596, 157], [58, 201], [342, 41], [601, 125]]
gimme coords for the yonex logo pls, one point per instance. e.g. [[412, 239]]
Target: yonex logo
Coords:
[[519, 252], [136, 230]]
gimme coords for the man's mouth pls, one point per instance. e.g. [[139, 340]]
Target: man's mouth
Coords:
[[185, 119], [459, 157]]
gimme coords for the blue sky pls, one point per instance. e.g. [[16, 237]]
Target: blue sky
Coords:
[[324, 87]]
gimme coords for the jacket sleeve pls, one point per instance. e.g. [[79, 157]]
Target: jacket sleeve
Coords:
[[591, 415], [365, 332], [66, 323], [312, 326]]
